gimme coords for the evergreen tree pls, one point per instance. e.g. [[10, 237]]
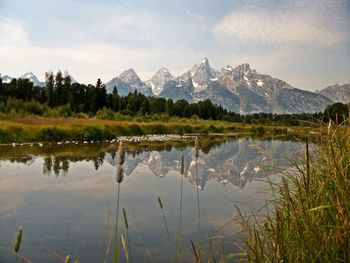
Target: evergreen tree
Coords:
[[1, 92], [66, 90], [101, 94], [49, 80], [58, 89], [170, 107]]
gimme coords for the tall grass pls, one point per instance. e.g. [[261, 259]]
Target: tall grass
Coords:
[[199, 254], [127, 250], [180, 213], [56, 129], [310, 221], [119, 179]]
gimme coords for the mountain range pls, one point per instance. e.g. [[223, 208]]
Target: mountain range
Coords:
[[239, 89], [337, 93]]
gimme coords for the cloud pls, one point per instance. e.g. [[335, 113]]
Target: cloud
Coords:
[[296, 24], [131, 27], [194, 16], [12, 32]]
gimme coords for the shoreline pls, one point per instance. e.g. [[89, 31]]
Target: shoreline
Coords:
[[53, 130]]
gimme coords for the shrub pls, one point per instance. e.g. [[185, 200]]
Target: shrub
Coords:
[[34, 107], [53, 134], [105, 114], [135, 130], [81, 115], [156, 129], [65, 111]]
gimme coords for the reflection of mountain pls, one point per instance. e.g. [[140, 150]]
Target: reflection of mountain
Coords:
[[233, 162]]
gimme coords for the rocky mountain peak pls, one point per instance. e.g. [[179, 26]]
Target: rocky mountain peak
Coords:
[[129, 76], [31, 77], [203, 65], [163, 73], [202, 74], [240, 89], [159, 80], [243, 69], [337, 93], [6, 78]]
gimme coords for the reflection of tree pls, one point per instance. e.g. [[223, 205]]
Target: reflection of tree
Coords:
[[227, 162], [65, 166], [47, 166], [55, 164]]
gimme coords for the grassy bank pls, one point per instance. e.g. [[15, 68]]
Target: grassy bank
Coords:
[[88, 129], [310, 217]]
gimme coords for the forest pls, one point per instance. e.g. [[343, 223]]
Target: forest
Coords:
[[62, 98]]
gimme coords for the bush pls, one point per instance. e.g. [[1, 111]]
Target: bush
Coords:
[[11, 134], [81, 115], [65, 111], [156, 129], [105, 114], [34, 107], [135, 130], [53, 134]]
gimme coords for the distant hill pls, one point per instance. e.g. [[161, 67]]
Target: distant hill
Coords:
[[337, 93]]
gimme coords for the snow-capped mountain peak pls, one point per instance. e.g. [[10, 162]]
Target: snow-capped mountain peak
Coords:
[[31, 77], [159, 80], [129, 76], [243, 69], [128, 81], [6, 79], [240, 89], [201, 75], [228, 68]]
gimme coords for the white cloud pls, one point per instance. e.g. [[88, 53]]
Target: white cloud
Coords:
[[12, 32], [131, 27], [194, 15], [299, 24]]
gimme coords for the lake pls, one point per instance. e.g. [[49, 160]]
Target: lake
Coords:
[[65, 195]]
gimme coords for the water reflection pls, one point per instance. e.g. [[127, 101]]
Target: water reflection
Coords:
[[62, 194], [227, 162]]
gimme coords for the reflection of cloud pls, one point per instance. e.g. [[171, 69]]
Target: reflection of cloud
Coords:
[[299, 24]]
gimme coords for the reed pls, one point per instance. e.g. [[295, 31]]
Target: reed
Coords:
[[119, 179], [18, 240], [310, 217], [126, 224], [125, 248], [180, 219], [198, 202], [166, 226]]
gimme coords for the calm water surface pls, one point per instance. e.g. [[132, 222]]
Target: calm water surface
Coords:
[[64, 195]]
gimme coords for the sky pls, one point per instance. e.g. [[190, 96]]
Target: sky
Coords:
[[304, 42]]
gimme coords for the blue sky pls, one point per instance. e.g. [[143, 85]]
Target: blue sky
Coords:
[[304, 42]]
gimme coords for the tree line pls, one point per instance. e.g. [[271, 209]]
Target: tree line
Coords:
[[89, 99]]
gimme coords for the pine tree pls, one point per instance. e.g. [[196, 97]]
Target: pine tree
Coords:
[[58, 89], [66, 90], [1, 88], [49, 79]]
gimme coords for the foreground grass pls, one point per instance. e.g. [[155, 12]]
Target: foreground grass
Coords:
[[310, 221], [80, 129]]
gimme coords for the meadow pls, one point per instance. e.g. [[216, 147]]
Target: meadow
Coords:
[[41, 129]]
